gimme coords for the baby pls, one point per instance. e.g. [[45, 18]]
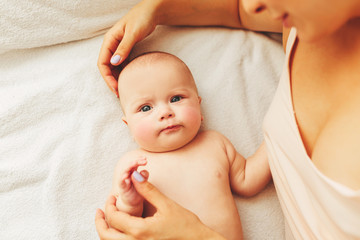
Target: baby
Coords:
[[197, 169]]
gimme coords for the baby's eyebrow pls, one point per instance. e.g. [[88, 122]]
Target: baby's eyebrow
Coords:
[[139, 101], [182, 90]]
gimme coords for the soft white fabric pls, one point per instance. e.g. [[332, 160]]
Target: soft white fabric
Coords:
[[315, 207], [61, 132], [36, 23]]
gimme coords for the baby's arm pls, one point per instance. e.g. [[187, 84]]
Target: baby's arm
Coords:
[[128, 199], [248, 176]]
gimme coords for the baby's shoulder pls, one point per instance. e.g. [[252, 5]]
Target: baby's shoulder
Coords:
[[131, 155], [217, 137], [212, 136], [215, 143]]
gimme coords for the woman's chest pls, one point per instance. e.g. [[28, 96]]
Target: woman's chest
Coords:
[[326, 101]]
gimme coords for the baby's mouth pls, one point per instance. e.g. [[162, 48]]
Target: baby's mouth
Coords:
[[171, 128]]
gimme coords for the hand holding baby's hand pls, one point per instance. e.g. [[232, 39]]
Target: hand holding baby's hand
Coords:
[[128, 198]]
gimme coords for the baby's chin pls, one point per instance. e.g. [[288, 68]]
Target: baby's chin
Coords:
[[164, 148], [170, 143], [161, 149]]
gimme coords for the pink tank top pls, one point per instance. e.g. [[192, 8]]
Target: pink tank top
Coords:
[[314, 206]]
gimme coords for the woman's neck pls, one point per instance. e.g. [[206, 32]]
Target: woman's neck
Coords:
[[344, 42]]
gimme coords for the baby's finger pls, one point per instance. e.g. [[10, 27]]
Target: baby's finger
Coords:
[[145, 174], [141, 161], [136, 165], [122, 184], [127, 184], [125, 176]]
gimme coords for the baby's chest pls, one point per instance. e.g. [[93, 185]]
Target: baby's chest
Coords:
[[200, 185], [188, 179], [187, 175]]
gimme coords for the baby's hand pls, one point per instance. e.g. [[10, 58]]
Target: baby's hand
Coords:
[[128, 196]]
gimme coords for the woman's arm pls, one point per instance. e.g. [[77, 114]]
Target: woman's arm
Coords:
[[171, 221], [198, 13], [141, 21]]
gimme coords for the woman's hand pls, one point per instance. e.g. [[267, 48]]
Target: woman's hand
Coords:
[[138, 23], [171, 221]]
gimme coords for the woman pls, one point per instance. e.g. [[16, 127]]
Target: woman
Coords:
[[311, 129]]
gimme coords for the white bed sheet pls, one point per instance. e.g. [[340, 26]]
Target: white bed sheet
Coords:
[[61, 132]]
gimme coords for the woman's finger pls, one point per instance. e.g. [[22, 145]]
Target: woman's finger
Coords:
[[109, 78], [107, 49], [104, 231], [150, 192], [121, 220], [123, 49]]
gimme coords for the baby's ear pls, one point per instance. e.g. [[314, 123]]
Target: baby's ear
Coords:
[[124, 120], [202, 116]]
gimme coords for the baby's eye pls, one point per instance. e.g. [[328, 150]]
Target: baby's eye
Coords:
[[176, 99], [145, 108]]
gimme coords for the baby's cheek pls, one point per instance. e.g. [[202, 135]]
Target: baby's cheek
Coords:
[[144, 133], [193, 116]]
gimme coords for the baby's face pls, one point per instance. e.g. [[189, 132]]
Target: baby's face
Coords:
[[161, 105]]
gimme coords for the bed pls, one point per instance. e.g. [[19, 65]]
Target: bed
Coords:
[[61, 132]]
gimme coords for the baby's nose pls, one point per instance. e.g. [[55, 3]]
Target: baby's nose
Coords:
[[166, 112], [166, 116]]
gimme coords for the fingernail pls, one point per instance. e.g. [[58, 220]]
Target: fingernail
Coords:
[[138, 177], [115, 59]]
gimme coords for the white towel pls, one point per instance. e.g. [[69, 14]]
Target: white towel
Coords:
[[36, 23]]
